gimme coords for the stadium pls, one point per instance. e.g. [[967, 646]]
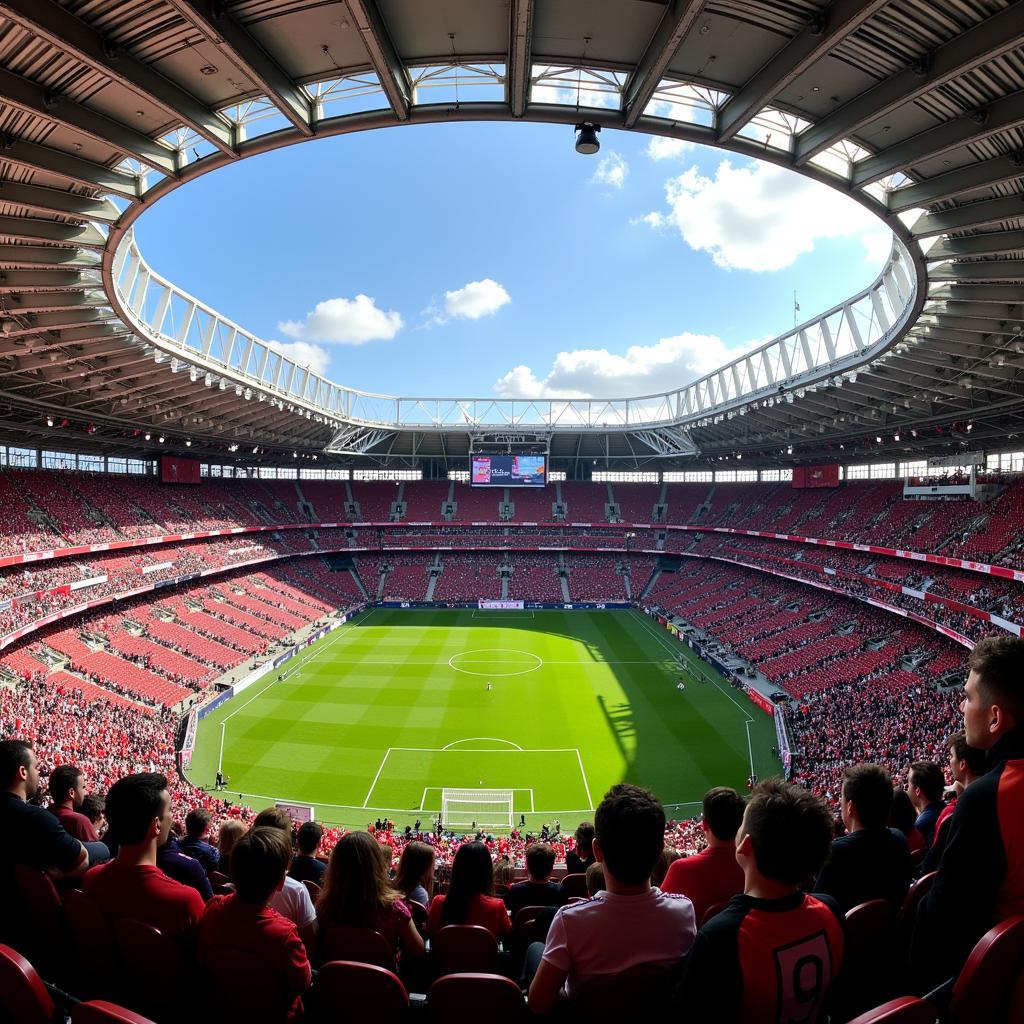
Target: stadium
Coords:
[[457, 623]]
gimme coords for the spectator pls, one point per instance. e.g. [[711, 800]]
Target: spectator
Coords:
[[980, 878], [712, 876], [197, 825], [902, 817], [227, 835], [871, 862], [357, 894], [669, 855], [470, 898], [630, 923], [31, 835], [415, 876], [538, 890], [94, 808], [67, 792], [595, 879], [925, 783], [577, 861], [504, 876], [773, 953], [305, 866], [966, 765], [292, 900], [243, 923], [131, 885], [181, 867]]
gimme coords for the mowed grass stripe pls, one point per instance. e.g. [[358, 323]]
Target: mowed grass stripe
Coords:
[[606, 687]]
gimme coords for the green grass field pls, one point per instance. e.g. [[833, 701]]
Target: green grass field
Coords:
[[387, 710]]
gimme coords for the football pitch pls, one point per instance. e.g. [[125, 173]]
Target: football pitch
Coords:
[[379, 716]]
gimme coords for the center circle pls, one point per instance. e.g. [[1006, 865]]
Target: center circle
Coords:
[[471, 662]]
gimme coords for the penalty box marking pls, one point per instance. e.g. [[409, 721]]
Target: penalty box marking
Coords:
[[482, 750], [440, 789]]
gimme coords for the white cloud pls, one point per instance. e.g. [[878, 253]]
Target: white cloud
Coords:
[[304, 354], [660, 148], [761, 217], [476, 299], [344, 322], [612, 170], [644, 369]]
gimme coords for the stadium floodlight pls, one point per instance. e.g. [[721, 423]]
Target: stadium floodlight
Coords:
[[587, 142]]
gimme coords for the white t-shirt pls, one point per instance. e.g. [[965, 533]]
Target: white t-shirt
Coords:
[[611, 933], [294, 903]]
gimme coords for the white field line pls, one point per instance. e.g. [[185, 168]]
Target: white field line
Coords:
[[749, 720], [586, 787], [377, 776]]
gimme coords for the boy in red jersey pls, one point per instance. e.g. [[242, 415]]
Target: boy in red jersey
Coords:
[[770, 957]]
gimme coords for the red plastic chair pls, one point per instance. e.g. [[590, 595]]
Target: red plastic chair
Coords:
[[866, 973], [23, 996], [46, 938], [637, 993], [464, 949], [905, 1010], [575, 885], [983, 988], [525, 916], [462, 996], [344, 986], [101, 1012], [147, 959], [362, 945], [313, 888], [713, 911], [93, 943]]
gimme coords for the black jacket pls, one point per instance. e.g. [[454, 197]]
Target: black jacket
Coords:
[[978, 882]]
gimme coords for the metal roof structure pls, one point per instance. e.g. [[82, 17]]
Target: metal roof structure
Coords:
[[915, 108]]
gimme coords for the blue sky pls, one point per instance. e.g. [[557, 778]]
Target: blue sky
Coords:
[[482, 259]]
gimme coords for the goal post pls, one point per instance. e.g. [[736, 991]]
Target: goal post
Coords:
[[485, 808]]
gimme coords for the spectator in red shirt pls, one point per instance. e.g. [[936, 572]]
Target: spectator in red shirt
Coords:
[[470, 898], [67, 793], [712, 876], [357, 894], [242, 924], [131, 885]]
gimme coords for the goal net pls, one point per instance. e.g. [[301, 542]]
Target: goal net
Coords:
[[485, 808]]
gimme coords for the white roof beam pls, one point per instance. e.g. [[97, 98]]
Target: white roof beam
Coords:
[[394, 78]]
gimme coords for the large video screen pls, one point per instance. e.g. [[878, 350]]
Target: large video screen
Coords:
[[508, 471]]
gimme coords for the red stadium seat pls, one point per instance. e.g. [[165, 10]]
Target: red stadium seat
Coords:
[[865, 976], [46, 939], [101, 1012], [363, 945], [984, 987], [93, 943], [244, 990], [312, 888], [461, 996], [344, 986], [712, 911], [463, 949], [642, 991], [908, 912], [419, 915], [148, 959], [575, 885], [23, 996], [525, 916], [905, 1010]]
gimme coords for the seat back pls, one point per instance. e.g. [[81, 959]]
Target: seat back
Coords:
[[526, 916], [464, 949], [904, 1010], [45, 936], [92, 941], [363, 945], [101, 1012], [575, 885], [243, 989], [461, 996], [344, 987], [641, 990], [419, 915], [147, 959], [713, 911], [23, 996], [983, 988], [313, 888], [865, 975]]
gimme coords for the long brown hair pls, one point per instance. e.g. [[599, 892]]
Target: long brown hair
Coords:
[[415, 868], [356, 887]]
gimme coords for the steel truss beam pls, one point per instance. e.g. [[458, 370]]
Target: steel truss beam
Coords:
[[813, 42], [676, 22], [666, 441], [954, 183], [356, 440], [520, 39], [393, 76], [51, 200], [76, 170], [239, 47], [987, 40], [980, 214]]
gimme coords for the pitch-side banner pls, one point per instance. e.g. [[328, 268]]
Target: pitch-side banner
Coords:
[[501, 605]]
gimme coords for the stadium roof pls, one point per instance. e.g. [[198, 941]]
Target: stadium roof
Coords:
[[913, 107]]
